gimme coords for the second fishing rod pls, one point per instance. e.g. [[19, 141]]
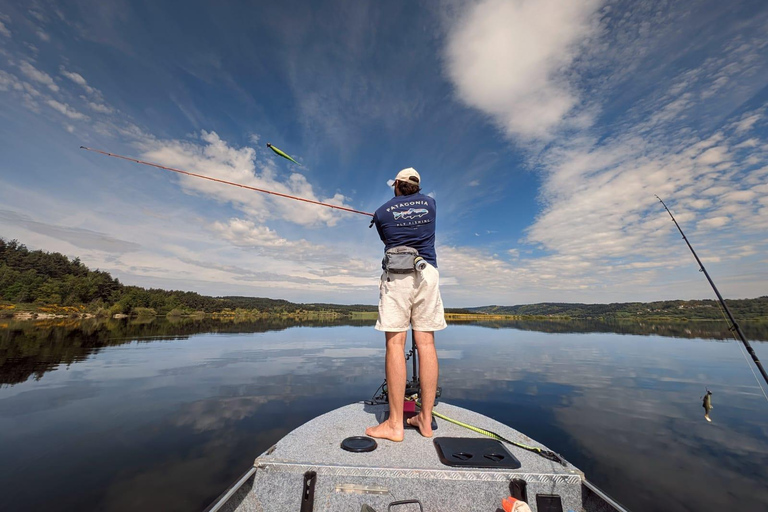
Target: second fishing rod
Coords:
[[734, 325]]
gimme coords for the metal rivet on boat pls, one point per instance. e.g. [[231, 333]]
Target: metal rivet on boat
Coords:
[[358, 444]]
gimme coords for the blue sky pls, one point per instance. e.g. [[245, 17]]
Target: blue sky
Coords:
[[542, 128]]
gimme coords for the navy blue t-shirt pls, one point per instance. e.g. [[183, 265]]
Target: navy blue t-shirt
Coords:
[[409, 221]]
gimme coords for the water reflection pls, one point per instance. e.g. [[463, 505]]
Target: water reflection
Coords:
[[627, 411], [30, 349], [718, 330], [165, 419], [167, 425]]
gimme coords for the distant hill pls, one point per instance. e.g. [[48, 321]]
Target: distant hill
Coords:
[[38, 277], [690, 309]]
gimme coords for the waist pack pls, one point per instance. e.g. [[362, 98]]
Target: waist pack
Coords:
[[400, 260]]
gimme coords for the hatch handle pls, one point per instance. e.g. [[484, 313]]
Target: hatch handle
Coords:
[[405, 502], [308, 492]]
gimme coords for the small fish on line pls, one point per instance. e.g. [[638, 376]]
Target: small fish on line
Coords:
[[707, 404], [281, 153]]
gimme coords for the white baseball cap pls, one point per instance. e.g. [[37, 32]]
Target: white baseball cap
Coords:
[[409, 175]]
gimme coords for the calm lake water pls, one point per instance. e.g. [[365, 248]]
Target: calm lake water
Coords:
[[162, 416]]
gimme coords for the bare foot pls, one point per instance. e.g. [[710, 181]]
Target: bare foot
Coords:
[[386, 431], [424, 425]]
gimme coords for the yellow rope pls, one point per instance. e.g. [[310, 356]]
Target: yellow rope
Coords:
[[544, 453]]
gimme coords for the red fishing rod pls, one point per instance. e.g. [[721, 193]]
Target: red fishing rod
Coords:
[[271, 192]]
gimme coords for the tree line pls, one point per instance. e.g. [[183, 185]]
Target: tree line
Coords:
[[706, 309], [40, 277]]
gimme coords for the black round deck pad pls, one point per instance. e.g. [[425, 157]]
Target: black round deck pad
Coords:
[[474, 452], [359, 444]]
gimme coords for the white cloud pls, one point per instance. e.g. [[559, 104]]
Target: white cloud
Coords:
[[713, 156], [245, 233], [714, 222], [100, 108], [35, 74], [82, 238], [9, 81], [510, 59], [167, 244], [77, 78], [95, 100], [741, 196], [749, 143], [746, 123], [599, 197], [601, 231], [215, 158], [600, 234], [28, 94], [4, 30], [66, 110]]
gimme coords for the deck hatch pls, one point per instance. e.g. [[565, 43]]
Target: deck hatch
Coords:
[[474, 452]]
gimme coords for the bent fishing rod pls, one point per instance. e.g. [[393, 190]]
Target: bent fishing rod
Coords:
[[734, 326], [217, 180]]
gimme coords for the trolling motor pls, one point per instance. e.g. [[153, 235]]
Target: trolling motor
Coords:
[[412, 387]]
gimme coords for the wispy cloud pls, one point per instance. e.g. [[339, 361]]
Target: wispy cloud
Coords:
[[600, 227], [78, 79], [83, 238], [4, 31], [215, 158], [66, 110], [100, 107], [36, 75], [607, 103], [245, 233]]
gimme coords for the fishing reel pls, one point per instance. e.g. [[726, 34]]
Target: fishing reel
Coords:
[[412, 387]]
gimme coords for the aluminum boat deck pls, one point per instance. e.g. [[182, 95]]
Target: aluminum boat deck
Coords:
[[346, 481]]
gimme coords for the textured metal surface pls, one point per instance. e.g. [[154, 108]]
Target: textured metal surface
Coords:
[[405, 470], [434, 474]]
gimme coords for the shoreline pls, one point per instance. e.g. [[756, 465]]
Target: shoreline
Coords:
[[23, 316], [31, 312]]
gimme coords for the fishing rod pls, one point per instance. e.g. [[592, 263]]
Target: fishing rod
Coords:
[[734, 326], [271, 192]]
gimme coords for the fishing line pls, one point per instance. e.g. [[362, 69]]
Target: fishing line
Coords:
[[217, 180], [734, 326], [743, 353], [544, 453]]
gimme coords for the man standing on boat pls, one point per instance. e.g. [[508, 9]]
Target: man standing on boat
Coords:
[[408, 298]]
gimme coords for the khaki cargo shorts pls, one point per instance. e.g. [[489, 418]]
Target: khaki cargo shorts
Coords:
[[414, 298]]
